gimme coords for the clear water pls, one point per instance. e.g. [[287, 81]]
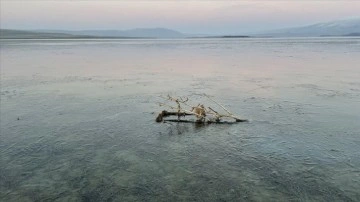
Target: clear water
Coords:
[[77, 120]]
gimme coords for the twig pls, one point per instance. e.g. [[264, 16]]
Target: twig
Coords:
[[231, 115], [184, 102], [219, 105]]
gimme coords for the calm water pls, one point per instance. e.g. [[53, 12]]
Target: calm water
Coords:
[[77, 120]]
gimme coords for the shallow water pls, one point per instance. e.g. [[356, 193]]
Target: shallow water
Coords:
[[77, 120]]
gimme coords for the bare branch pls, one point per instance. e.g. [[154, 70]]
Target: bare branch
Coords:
[[218, 104], [204, 115]]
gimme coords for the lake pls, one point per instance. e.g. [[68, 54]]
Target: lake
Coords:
[[78, 120]]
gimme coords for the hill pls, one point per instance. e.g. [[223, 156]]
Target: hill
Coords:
[[20, 34], [138, 33], [333, 28]]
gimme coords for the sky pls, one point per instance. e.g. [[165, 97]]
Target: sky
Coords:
[[201, 16]]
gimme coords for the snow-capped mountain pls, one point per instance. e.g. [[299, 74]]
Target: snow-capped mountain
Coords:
[[346, 27]]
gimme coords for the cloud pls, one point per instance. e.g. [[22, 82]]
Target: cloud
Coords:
[[187, 16]]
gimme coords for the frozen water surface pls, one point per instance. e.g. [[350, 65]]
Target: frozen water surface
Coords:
[[77, 120]]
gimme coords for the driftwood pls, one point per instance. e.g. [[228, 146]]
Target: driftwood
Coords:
[[204, 115], [165, 113]]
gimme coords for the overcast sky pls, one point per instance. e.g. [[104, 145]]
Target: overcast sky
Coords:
[[212, 17]]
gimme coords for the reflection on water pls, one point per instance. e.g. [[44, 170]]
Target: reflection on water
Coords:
[[77, 120]]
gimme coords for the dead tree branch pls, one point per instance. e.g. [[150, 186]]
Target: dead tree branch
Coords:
[[203, 115]]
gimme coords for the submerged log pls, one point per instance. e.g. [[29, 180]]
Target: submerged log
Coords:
[[240, 120], [160, 118], [165, 113], [202, 122]]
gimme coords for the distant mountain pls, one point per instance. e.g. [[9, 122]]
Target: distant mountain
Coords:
[[20, 34], [49, 34], [155, 32], [352, 34], [333, 28], [349, 27], [222, 36], [140, 32]]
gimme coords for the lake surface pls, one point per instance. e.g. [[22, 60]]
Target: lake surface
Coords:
[[77, 120]]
